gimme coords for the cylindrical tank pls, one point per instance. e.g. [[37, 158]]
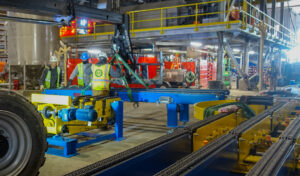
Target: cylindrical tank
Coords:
[[30, 44]]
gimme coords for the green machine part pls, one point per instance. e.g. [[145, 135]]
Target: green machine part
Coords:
[[227, 70]]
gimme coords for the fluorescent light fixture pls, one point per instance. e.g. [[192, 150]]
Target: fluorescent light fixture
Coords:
[[196, 44], [94, 51], [251, 52], [147, 49], [177, 51], [236, 50]]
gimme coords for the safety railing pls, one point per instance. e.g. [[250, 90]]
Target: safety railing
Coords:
[[202, 14], [252, 17]]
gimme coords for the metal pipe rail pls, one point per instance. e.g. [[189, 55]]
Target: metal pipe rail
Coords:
[[167, 18], [195, 162], [278, 153]]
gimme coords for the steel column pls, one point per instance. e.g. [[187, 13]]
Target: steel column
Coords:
[[281, 16], [172, 120], [220, 67], [184, 113], [117, 106], [273, 14], [246, 58], [262, 28]]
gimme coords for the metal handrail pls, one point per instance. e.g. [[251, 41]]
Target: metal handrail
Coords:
[[137, 17]]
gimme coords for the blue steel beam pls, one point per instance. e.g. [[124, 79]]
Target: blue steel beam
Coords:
[[177, 100]]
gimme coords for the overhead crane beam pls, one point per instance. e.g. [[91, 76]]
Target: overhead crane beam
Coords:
[[63, 10]]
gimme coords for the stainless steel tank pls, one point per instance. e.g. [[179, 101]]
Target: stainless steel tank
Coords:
[[30, 44]]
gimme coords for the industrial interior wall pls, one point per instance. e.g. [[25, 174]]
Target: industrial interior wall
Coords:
[[150, 15], [30, 44]]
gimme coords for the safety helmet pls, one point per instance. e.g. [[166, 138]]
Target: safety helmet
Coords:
[[53, 59], [102, 55], [85, 56]]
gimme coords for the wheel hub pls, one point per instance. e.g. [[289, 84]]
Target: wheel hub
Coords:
[[15, 142], [4, 145]]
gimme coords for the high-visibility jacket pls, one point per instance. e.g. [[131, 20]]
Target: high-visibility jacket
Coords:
[[80, 75], [101, 79], [48, 78]]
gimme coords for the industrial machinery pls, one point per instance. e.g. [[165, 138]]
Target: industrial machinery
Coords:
[[224, 144], [64, 116], [177, 100], [61, 114]]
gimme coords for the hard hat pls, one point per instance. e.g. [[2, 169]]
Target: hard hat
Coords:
[[53, 59], [85, 56], [102, 55]]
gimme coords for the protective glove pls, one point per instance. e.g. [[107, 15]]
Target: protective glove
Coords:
[[42, 87]]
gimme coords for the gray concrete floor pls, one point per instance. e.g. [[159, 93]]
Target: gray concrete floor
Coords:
[[140, 125]]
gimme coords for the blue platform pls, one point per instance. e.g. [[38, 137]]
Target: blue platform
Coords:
[[67, 147], [177, 100]]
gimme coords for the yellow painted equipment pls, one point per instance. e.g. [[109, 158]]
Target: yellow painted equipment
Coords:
[[253, 142], [56, 109], [222, 126]]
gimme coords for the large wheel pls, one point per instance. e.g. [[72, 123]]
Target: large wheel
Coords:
[[22, 136]]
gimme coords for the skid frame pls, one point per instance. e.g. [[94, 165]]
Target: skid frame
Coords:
[[69, 146], [177, 100]]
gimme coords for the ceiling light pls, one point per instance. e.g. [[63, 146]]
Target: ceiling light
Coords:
[[196, 44], [236, 50], [252, 52]]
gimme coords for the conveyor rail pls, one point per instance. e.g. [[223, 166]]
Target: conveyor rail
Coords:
[[142, 149], [194, 162], [166, 155], [278, 153]]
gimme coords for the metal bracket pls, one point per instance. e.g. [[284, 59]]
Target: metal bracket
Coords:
[[165, 100]]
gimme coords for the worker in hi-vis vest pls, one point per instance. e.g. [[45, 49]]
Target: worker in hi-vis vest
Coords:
[[102, 73], [51, 77], [82, 78]]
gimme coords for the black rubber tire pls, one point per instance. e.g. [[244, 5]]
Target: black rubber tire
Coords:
[[17, 104]]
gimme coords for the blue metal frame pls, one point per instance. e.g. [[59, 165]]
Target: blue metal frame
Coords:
[[177, 100], [70, 145]]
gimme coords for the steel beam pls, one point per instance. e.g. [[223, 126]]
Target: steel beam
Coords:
[[65, 9], [230, 53], [220, 67]]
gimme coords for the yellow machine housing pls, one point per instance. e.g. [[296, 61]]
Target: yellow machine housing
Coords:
[[55, 103]]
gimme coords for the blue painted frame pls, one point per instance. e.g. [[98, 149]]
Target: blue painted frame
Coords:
[[69, 146], [180, 99]]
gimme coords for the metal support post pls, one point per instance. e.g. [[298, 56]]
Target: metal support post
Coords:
[[262, 29], [172, 115], [184, 113], [281, 17], [117, 106], [220, 67], [273, 14], [24, 75], [279, 63], [9, 78], [246, 58], [262, 7], [237, 65]]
